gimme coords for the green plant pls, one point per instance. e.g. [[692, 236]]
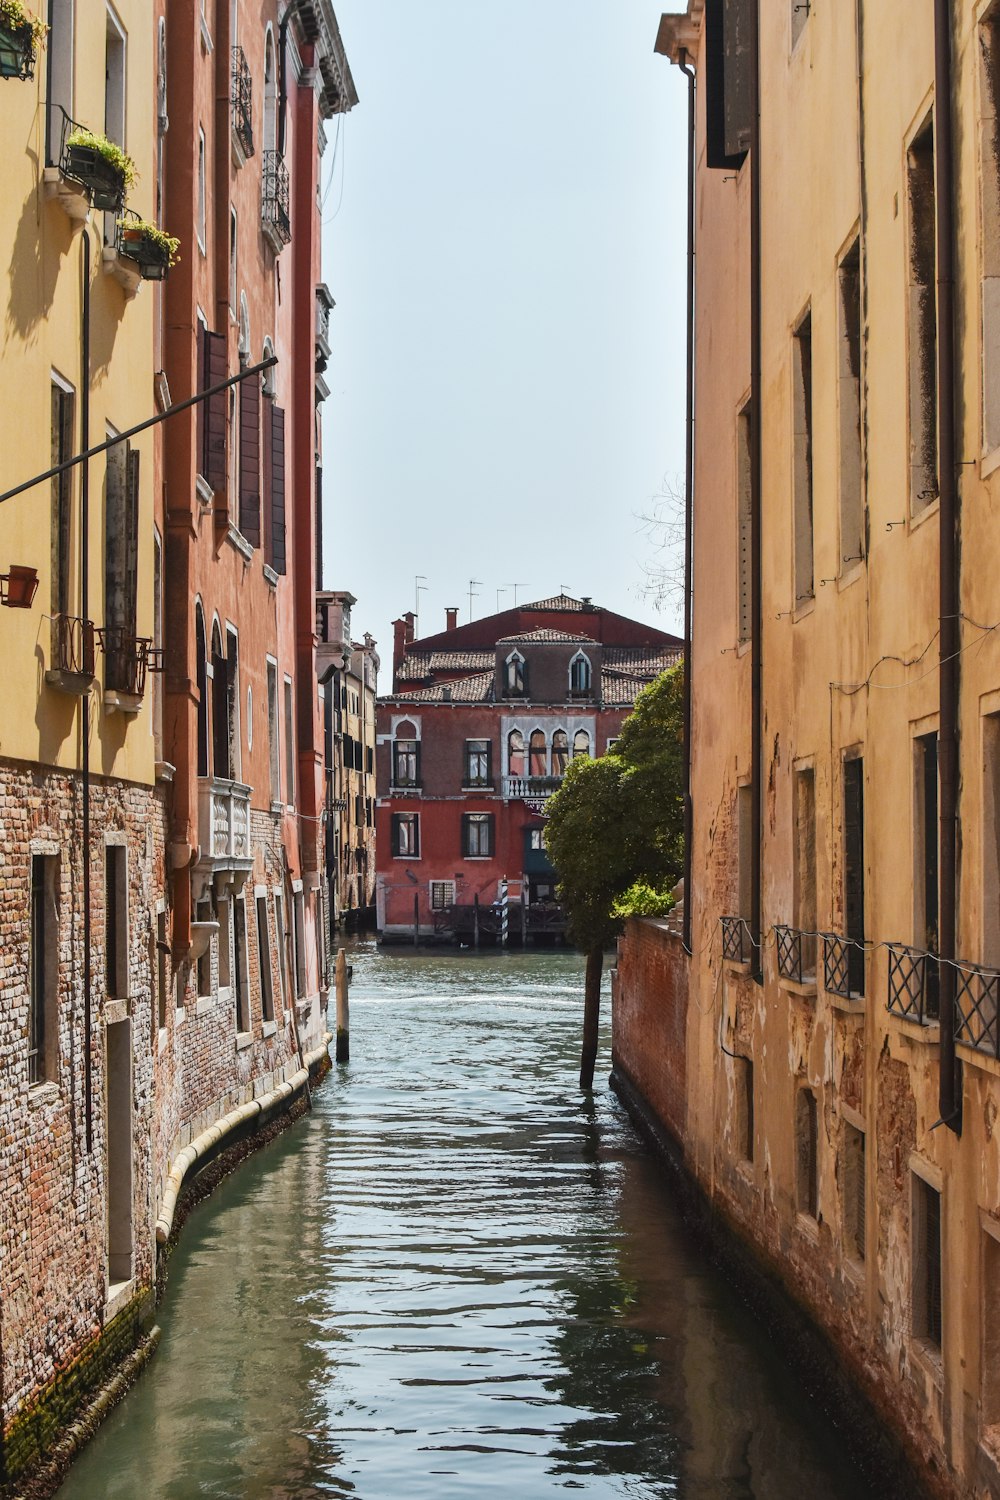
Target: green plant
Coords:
[[118, 158], [168, 243], [14, 16], [642, 900]]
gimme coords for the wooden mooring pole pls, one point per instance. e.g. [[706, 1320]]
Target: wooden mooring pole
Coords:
[[475, 921], [343, 1047], [416, 921]]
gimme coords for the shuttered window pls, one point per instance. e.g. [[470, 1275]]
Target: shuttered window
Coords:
[[728, 81], [213, 368], [926, 1312], [275, 479], [249, 460], [854, 871]]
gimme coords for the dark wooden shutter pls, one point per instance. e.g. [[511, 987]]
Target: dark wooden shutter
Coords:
[[250, 460], [395, 833], [319, 526], [277, 482], [854, 871], [220, 716], [131, 540], [728, 81], [215, 367], [115, 536]]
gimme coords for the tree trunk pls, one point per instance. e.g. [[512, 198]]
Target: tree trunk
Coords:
[[591, 1016]]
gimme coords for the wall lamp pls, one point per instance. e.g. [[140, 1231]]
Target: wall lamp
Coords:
[[17, 588]]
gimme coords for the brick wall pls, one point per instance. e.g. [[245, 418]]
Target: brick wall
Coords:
[[649, 1018]]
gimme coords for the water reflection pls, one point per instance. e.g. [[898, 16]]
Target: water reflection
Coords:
[[458, 1278]]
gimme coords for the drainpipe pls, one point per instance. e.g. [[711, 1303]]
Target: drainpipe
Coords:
[[689, 73], [950, 1091], [756, 491], [88, 1092]]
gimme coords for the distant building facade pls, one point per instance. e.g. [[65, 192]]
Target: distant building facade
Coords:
[[480, 727]]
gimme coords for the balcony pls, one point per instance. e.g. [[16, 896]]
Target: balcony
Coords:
[[324, 307], [735, 940], [241, 102], [73, 655], [127, 660], [530, 788], [976, 993], [224, 828], [843, 967], [274, 211], [796, 952], [913, 984]]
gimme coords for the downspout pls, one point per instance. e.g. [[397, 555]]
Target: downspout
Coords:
[[689, 73], [756, 492], [950, 1092], [88, 1091]]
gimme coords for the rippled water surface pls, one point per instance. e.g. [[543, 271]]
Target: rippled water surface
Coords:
[[457, 1277]]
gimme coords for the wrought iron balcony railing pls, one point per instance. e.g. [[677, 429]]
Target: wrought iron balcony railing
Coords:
[[127, 659], [796, 954], [241, 100], [913, 984], [274, 210], [73, 654], [735, 940], [977, 991], [843, 966]]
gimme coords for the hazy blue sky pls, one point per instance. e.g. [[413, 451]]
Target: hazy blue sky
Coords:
[[505, 238]]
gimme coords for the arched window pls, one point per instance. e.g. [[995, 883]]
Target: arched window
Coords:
[[515, 676], [270, 95], [537, 754], [271, 390], [244, 340], [405, 755], [221, 738], [579, 674], [560, 752], [515, 753], [581, 743], [201, 676]]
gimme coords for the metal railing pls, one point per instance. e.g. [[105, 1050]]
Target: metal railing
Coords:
[[977, 991], [843, 966], [796, 952], [126, 661], [73, 645], [241, 100], [274, 210], [913, 984], [735, 940]]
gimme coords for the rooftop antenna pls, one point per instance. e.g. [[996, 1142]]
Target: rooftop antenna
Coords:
[[503, 589], [515, 587], [474, 583], [419, 587]]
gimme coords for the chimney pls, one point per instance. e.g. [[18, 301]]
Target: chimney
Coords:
[[398, 645], [451, 619], [410, 621]]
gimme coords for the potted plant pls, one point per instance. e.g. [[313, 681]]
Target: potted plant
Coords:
[[153, 251], [104, 169], [22, 34]]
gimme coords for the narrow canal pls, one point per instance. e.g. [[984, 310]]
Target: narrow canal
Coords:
[[458, 1277]]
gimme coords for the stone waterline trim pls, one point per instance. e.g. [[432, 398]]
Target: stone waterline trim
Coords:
[[209, 1138]]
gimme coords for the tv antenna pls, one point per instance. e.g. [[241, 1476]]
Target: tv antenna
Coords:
[[474, 583]]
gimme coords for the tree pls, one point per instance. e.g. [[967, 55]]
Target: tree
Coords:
[[614, 822]]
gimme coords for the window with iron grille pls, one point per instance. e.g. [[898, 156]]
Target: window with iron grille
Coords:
[[442, 894], [477, 835], [803, 458], [806, 1153], [854, 872], [406, 835], [853, 1191], [406, 763], [43, 1028], [264, 960], [922, 307], [478, 761], [925, 1255], [115, 921], [849, 329]]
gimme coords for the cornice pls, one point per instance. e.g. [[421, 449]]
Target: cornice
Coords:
[[680, 32]]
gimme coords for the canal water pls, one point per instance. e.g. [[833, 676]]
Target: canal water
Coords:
[[458, 1277]]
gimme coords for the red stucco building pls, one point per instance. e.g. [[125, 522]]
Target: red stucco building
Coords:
[[481, 724]]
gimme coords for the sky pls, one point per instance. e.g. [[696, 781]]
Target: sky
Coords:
[[504, 236]]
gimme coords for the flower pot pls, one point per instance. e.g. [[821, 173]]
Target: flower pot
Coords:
[[103, 180], [152, 259], [21, 585], [17, 52]]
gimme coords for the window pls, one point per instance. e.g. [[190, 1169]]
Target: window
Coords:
[[515, 753], [242, 966], [854, 871], [853, 1191], [249, 458], [115, 922], [289, 746], [273, 738], [221, 736], [406, 835], [581, 744], [121, 566], [538, 760], [114, 82], [477, 835], [281, 942], [224, 915], [442, 894], [162, 956], [201, 671], [746, 851], [59, 49], [922, 320], [270, 94], [233, 701], [406, 763], [157, 643], [560, 753], [925, 875], [536, 839], [743, 1120], [849, 384], [43, 1016], [264, 958], [989, 177], [806, 1154], [804, 866], [299, 934], [200, 225], [477, 763], [579, 674], [62, 497], [802, 458], [233, 261], [744, 511], [515, 675], [990, 1355], [203, 913], [925, 1260]]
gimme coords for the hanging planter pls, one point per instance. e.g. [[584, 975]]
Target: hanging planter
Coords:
[[153, 251], [22, 35], [103, 168]]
